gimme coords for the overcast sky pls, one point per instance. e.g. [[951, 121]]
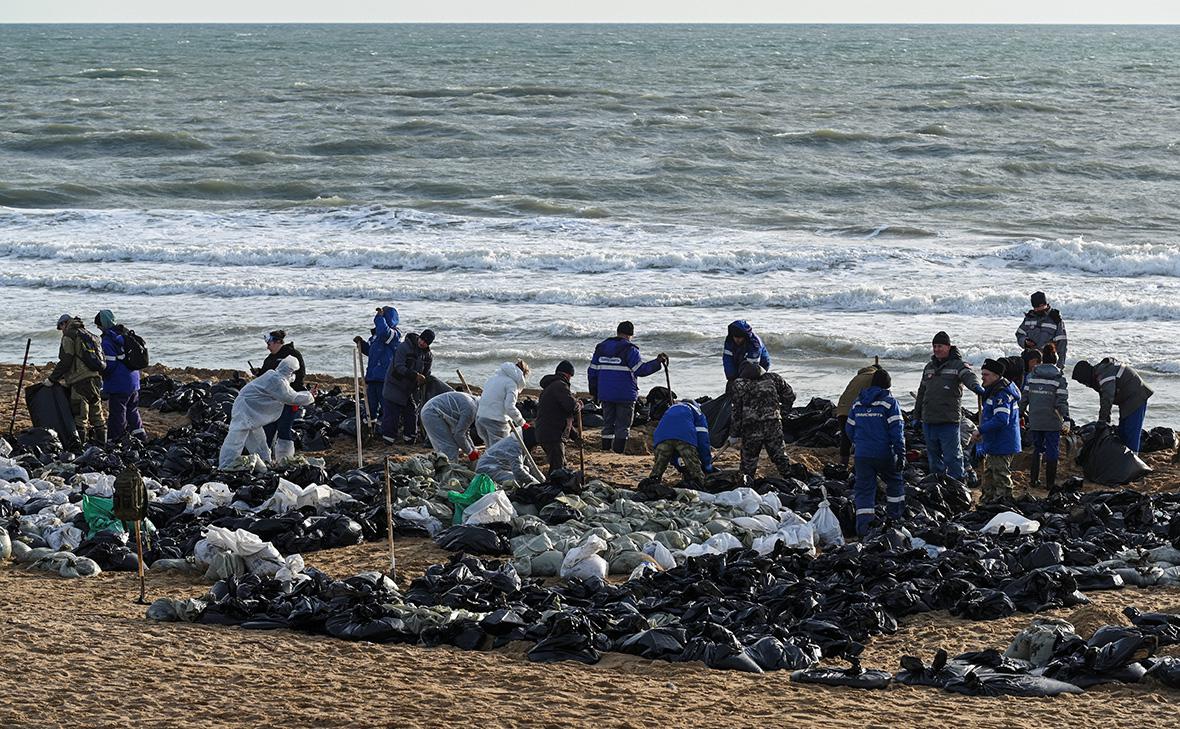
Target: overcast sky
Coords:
[[473, 11]]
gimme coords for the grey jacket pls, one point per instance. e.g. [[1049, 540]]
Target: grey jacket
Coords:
[[1045, 398], [941, 393], [1042, 329], [409, 360], [1119, 384]]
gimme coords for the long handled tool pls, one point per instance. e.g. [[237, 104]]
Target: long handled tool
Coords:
[[356, 380], [668, 381], [20, 386], [389, 518], [368, 406], [139, 549], [581, 451], [528, 457], [463, 381]]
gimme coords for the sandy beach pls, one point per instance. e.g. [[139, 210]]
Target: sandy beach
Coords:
[[82, 653]]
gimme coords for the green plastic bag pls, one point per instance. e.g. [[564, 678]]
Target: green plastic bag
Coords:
[[479, 487], [100, 515]]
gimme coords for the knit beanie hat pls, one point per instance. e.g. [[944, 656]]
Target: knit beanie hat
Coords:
[[882, 379], [565, 367], [942, 338], [625, 328], [1039, 299], [1083, 372], [427, 336], [996, 368]]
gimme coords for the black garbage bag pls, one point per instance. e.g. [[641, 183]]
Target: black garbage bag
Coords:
[[569, 637], [110, 551], [854, 677], [984, 682], [664, 643], [1106, 460], [723, 656], [306, 474], [1157, 439], [49, 409], [1045, 588], [984, 604], [472, 540], [938, 674], [1112, 647], [339, 531], [1166, 670], [40, 441], [718, 412], [772, 654], [1164, 626], [368, 622]]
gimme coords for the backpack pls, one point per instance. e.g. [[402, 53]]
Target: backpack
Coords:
[[135, 354], [90, 351], [130, 497]]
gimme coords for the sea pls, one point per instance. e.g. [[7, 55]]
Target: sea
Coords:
[[520, 189]]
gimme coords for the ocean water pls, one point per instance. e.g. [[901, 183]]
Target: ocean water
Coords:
[[849, 190]]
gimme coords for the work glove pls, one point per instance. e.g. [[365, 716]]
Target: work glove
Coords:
[[899, 462], [420, 378], [358, 340], [663, 358], [1066, 427]]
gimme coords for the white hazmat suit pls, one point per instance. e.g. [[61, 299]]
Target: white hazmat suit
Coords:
[[497, 404], [260, 403], [447, 419], [505, 461]]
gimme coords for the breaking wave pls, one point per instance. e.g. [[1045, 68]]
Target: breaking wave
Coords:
[[1146, 259]]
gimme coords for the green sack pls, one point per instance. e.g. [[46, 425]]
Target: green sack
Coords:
[[100, 515], [479, 487]]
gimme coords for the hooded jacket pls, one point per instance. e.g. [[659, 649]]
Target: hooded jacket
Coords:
[[498, 401], [287, 350], [1045, 398], [117, 379], [457, 410], [1042, 328], [940, 395], [614, 370], [262, 400], [409, 360], [863, 379], [555, 408], [1119, 384], [752, 350], [70, 369], [381, 345], [875, 425], [999, 422], [685, 422]]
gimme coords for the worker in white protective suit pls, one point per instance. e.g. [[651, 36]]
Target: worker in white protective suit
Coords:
[[506, 461], [260, 403], [497, 405], [447, 419]]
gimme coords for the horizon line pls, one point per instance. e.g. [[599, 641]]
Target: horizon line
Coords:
[[1002, 23]]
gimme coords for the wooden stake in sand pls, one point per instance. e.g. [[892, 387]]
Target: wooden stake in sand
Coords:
[[389, 518], [139, 548], [581, 449], [19, 386], [356, 381]]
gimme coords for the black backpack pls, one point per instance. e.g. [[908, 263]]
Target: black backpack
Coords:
[[90, 351], [135, 353], [131, 496]]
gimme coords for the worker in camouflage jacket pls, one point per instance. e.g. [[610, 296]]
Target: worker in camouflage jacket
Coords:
[[761, 401]]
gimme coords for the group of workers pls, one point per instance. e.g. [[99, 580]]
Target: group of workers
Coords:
[[1030, 391]]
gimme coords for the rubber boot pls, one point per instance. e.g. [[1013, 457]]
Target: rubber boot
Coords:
[[98, 436], [1034, 472], [1051, 475], [620, 445], [606, 444]]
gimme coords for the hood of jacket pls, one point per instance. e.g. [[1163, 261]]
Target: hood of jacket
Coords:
[[549, 379], [871, 394], [751, 371], [1047, 371], [510, 370]]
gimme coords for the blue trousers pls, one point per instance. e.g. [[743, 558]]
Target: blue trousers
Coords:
[[373, 395], [864, 491], [944, 449], [1131, 428], [399, 418], [1047, 443]]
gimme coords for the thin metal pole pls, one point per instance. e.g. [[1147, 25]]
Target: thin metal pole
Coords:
[[389, 518], [356, 379]]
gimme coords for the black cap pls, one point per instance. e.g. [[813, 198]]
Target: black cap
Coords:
[[1083, 372], [625, 328], [427, 336], [1038, 299], [996, 368], [882, 379], [565, 367], [942, 338]]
